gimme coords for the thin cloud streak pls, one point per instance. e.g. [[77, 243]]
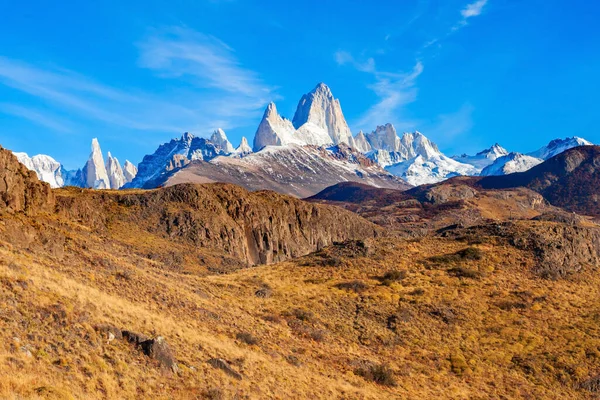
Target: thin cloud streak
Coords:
[[213, 89], [34, 116]]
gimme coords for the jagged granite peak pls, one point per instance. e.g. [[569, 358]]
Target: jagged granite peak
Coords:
[[511, 163], [484, 158], [115, 173], [419, 144], [219, 138], [319, 118], [46, 168], [243, 149], [361, 143], [274, 130], [129, 171], [94, 171], [174, 154], [557, 146], [384, 137]]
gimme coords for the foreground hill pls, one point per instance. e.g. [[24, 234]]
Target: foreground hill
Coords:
[[142, 294], [425, 209]]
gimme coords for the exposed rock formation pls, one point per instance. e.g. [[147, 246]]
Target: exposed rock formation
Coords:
[[94, 170], [129, 171], [274, 130], [319, 118], [20, 189], [219, 138], [260, 227], [361, 143], [243, 149], [116, 177]]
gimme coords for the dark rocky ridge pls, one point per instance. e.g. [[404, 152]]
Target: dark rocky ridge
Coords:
[[256, 227], [20, 189]]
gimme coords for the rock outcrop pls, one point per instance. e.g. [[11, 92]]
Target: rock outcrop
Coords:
[[115, 173], [274, 130], [94, 170], [129, 171], [319, 118], [20, 189], [219, 138], [258, 228]]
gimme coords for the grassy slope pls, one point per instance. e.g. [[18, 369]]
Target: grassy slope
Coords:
[[496, 332]]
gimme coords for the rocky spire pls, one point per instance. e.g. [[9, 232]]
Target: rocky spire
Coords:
[[244, 148], [219, 138], [274, 130], [115, 172], [384, 137], [94, 171], [319, 118], [129, 171], [360, 142]]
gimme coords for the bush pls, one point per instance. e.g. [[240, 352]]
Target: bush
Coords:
[[466, 254], [462, 272], [303, 315], [355, 286], [379, 373], [247, 338], [393, 276]]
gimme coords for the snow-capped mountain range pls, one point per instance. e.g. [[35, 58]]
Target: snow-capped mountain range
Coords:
[[317, 131]]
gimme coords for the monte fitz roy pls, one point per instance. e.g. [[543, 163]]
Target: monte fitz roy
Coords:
[[301, 157]]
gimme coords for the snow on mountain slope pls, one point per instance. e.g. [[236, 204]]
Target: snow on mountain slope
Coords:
[[384, 137], [421, 170], [243, 149], [483, 158], [46, 168], [557, 146], [297, 170], [174, 154], [219, 138], [511, 163]]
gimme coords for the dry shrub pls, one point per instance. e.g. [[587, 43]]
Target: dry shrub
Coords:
[[381, 374], [393, 276], [354, 286], [247, 338], [463, 272]]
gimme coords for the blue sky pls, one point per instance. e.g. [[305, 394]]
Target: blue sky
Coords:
[[465, 73]]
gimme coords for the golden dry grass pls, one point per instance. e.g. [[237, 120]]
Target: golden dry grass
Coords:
[[457, 327]]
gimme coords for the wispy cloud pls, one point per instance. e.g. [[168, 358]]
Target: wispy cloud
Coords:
[[34, 116], [395, 90], [203, 59], [212, 89], [473, 9], [344, 57]]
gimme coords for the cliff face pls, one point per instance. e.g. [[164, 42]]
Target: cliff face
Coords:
[[20, 189], [256, 227]]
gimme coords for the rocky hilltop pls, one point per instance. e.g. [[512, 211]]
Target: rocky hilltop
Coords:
[[255, 227], [20, 189]]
